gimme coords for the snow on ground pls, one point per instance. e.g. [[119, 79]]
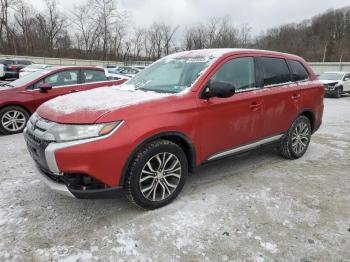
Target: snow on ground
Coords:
[[256, 207]]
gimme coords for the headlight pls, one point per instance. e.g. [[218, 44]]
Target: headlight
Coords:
[[63, 132]]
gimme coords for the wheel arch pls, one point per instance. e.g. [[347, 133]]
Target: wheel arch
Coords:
[[176, 137], [310, 115], [17, 105]]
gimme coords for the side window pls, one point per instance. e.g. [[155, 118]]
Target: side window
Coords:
[[239, 71], [298, 70], [93, 76], [63, 78], [347, 76], [275, 71]]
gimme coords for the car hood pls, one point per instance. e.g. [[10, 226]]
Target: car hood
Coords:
[[329, 81], [5, 89], [88, 106]]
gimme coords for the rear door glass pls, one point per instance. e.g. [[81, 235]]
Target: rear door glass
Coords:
[[93, 76], [299, 72], [275, 71]]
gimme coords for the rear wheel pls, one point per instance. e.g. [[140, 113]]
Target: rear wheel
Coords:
[[297, 139], [13, 120], [156, 175]]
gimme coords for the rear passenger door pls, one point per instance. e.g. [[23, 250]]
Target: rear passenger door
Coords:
[[281, 96]]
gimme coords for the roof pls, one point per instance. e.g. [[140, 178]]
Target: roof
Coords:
[[74, 67], [219, 52]]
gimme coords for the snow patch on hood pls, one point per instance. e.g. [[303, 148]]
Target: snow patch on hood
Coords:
[[104, 98]]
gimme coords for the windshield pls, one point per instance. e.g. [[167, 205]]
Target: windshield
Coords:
[[169, 75], [28, 78], [331, 76]]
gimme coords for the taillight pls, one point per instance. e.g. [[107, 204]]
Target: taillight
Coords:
[[12, 67]]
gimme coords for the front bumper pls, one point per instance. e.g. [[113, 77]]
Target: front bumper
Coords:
[[330, 90], [83, 169], [54, 186], [61, 188]]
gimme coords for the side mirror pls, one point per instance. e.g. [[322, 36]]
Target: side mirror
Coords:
[[346, 79], [44, 87], [218, 89]]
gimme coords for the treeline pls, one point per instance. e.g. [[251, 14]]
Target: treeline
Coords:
[[325, 37], [97, 29]]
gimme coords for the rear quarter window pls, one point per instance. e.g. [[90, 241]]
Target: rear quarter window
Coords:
[[299, 72], [275, 71]]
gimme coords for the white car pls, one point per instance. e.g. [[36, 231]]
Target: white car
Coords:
[[32, 68], [336, 83]]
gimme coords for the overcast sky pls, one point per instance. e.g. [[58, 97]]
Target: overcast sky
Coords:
[[258, 14]]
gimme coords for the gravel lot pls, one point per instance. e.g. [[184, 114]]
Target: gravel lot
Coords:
[[256, 207]]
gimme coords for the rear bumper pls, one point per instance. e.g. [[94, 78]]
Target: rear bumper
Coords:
[[63, 189], [11, 74]]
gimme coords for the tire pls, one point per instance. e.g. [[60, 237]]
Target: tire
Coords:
[[297, 139], [339, 92], [13, 120], [157, 187]]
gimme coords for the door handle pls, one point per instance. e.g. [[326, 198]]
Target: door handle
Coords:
[[255, 105], [296, 96], [73, 91]]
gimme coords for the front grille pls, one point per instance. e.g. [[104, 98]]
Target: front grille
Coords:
[[43, 143], [37, 129], [38, 139]]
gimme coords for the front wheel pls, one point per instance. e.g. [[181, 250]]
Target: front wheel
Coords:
[[297, 139], [156, 175], [13, 120], [338, 92]]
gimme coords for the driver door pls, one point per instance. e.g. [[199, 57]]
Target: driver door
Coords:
[[63, 82], [227, 124]]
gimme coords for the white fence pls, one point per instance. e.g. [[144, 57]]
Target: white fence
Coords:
[[67, 61], [318, 67]]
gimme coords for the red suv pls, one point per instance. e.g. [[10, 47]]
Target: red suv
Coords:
[[20, 98], [182, 111]]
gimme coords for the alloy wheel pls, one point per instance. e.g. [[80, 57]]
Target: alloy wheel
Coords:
[[13, 121], [300, 138], [160, 176]]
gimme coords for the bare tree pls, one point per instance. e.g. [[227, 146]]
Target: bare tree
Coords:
[[86, 24]]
